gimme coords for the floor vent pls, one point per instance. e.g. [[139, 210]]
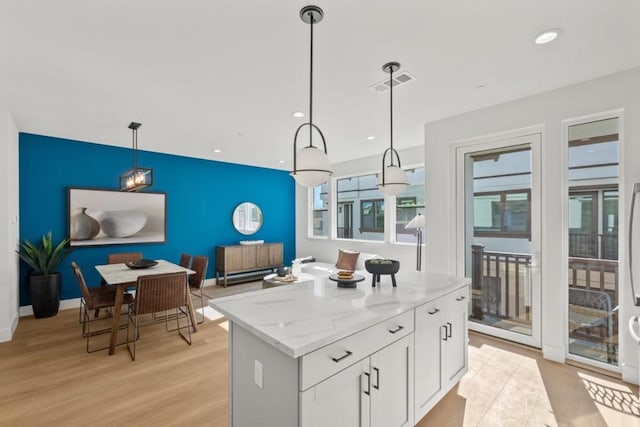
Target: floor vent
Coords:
[[398, 80]]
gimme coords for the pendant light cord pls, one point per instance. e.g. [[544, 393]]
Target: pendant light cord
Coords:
[[135, 149], [391, 110], [311, 21]]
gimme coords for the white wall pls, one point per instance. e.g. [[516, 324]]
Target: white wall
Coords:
[[8, 225], [549, 109], [324, 249]]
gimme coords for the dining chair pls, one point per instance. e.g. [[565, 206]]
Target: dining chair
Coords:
[[196, 280], [92, 299], [159, 292], [185, 260]]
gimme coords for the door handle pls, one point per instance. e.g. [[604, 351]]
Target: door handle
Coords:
[[460, 298], [449, 328], [632, 330], [368, 390], [344, 356], [377, 384], [398, 329], [434, 311], [445, 333]]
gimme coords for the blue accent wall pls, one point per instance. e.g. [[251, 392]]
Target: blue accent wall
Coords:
[[201, 197]]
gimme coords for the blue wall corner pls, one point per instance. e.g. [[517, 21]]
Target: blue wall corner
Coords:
[[201, 197]]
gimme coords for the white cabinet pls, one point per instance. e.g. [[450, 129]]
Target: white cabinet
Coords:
[[440, 348], [376, 392], [391, 378], [339, 400], [428, 336], [455, 347]]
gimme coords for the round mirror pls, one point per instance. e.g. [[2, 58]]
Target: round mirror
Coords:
[[247, 218]]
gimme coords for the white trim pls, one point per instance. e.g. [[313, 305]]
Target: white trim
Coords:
[[553, 353], [458, 151], [630, 374], [27, 310], [6, 335], [622, 264]]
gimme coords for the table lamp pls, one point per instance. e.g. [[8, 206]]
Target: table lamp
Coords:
[[418, 223]]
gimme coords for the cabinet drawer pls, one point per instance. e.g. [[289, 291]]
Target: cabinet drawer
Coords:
[[328, 360]]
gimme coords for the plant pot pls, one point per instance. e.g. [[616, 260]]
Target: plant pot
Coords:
[[45, 294]]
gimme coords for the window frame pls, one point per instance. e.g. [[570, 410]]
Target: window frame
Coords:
[[503, 200], [375, 211]]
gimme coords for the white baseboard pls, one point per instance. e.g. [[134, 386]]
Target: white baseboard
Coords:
[[550, 352], [27, 310], [630, 374], [210, 282], [6, 334]]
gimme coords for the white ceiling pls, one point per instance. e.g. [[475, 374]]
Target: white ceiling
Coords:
[[227, 74]]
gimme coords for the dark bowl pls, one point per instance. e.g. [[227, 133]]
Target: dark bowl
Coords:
[[141, 263], [382, 266]]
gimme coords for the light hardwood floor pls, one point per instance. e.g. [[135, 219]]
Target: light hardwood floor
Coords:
[[47, 379]]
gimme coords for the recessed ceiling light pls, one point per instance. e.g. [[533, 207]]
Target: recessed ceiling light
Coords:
[[297, 114], [281, 161], [217, 151], [371, 138], [548, 36]]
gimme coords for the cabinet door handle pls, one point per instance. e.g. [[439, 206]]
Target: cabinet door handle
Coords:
[[398, 329], [344, 356], [434, 311], [377, 384], [445, 333], [368, 390], [460, 298], [449, 328]]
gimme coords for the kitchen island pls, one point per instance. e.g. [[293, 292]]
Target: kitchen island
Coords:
[[314, 354]]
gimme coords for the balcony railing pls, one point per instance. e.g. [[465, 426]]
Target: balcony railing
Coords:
[[501, 289], [501, 285]]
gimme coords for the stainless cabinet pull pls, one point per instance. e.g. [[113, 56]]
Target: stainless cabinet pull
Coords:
[[460, 298], [434, 311], [445, 333], [368, 390], [344, 356], [449, 328], [398, 329], [377, 384]]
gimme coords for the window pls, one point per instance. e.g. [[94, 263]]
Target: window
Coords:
[[372, 216], [319, 210], [410, 203], [360, 208], [502, 214]]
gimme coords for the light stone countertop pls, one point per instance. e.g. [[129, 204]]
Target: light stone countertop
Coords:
[[301, 318]]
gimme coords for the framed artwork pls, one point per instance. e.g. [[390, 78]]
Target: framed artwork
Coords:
[[107, 217]]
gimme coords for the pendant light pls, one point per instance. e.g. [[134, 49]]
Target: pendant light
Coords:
[[310, 164], [392, 180], [136, 178]]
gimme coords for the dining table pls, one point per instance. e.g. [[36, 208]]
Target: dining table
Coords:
[[123, 277]]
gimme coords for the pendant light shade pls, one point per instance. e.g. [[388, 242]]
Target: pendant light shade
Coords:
[[136, 178], [392, 179], [311, 165]]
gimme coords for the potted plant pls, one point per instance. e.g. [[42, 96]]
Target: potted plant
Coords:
[[44, 280]]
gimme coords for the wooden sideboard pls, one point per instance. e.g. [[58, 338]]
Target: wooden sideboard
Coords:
[[234, 259]]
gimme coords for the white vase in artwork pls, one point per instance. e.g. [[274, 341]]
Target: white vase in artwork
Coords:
[[83, 226], [123, 223]]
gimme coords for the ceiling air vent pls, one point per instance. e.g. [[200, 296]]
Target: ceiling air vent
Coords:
[[398, 80]]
